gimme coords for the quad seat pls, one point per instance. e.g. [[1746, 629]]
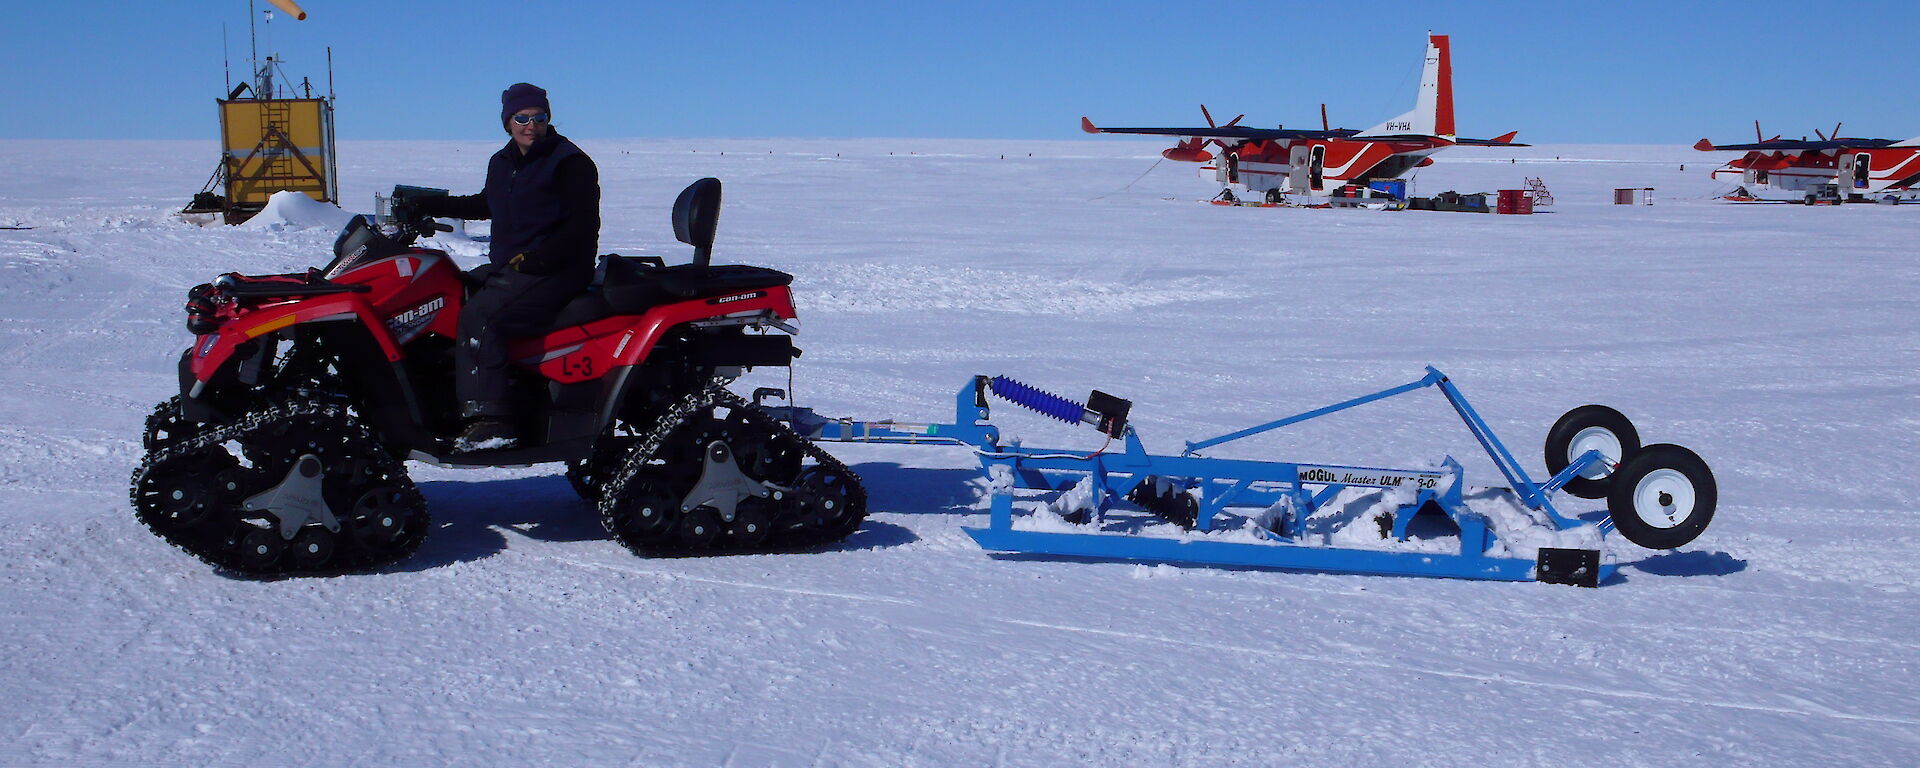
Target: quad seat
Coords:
[[632, 287]]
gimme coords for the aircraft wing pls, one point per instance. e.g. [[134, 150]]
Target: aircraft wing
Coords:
[[1262, 134], [1793, 144], [1225, 132], [1503, 140]]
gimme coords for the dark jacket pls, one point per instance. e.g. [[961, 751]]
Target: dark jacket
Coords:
[[544, 203]]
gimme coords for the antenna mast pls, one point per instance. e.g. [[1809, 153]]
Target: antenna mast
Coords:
[[253, 43], [266, 69]]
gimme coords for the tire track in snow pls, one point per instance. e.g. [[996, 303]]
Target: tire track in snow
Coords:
[[1681, 630], [90, 325], [1474, 677], [1651, 629], [1517, 614], [91, 399], [672, 576], [132, 278]]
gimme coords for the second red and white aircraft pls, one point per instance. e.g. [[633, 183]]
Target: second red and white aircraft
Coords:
[[1831, 169], [1272, 162]]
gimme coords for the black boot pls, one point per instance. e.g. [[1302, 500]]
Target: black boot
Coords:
[[489, 434], [487, 430]]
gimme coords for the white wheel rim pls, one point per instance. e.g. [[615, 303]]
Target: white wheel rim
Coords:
[[1595, 439], [1663, 498]]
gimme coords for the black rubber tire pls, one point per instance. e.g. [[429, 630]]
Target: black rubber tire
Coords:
[[700, 528], [752, 522], [313, 547], [1661, 477], [1561, 437], [834, 499], [261, 548], [645, 510]]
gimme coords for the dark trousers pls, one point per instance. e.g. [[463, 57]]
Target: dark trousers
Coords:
[[507, 305]]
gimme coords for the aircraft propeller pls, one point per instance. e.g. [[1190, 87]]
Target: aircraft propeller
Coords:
[[1193, 149]]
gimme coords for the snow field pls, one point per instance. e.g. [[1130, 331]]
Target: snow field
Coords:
[[1777, 341]]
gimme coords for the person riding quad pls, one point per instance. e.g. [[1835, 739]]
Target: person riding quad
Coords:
[[543, 195]]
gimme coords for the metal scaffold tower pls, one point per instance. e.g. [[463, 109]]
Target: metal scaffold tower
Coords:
[[273, 139]]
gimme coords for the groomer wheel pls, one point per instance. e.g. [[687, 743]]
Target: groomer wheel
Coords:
[[1591, 427]]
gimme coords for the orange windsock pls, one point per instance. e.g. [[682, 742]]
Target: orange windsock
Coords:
[[291, 8]]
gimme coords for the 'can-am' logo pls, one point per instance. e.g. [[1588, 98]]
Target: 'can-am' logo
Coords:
[[408, 324], [418, 312], [740, 297]]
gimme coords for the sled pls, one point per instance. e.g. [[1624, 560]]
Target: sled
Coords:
[[1197, 509]]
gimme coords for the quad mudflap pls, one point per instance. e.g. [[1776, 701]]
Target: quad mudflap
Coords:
[[715, 476]]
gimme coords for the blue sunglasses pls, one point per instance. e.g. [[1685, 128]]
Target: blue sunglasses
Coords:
[[524, 119]]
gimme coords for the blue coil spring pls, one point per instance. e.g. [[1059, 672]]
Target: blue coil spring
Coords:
[[1044, 402]]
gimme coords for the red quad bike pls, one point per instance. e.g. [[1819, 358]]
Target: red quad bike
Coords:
[[303, 394]]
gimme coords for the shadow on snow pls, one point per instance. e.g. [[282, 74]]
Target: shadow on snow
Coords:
[[471, 521], [1690, 564]]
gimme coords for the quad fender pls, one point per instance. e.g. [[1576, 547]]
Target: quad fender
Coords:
[[220, 359], [214, 351], [629, 344], [777, 300], [594, 350]]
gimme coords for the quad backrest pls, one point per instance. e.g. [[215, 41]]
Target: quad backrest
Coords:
[[695, 215]]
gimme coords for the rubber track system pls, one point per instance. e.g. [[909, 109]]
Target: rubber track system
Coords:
[[166, 425], [644, 504], [325, 496], [588, 475]]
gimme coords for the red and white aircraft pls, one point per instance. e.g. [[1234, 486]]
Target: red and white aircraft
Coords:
[[1277, 161], [1802, 170]]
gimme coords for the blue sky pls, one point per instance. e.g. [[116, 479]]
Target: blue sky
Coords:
[[1625, 72]]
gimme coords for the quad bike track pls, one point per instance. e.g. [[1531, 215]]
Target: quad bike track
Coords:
[[245, 513]]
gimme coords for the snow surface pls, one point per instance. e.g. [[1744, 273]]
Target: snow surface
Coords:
[[287, 209], [1778, 341]]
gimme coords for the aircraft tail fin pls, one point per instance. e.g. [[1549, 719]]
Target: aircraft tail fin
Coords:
[[1432, 113]]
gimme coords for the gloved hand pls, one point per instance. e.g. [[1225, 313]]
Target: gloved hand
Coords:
[[532, 263], [410, 215], [406, 210]]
